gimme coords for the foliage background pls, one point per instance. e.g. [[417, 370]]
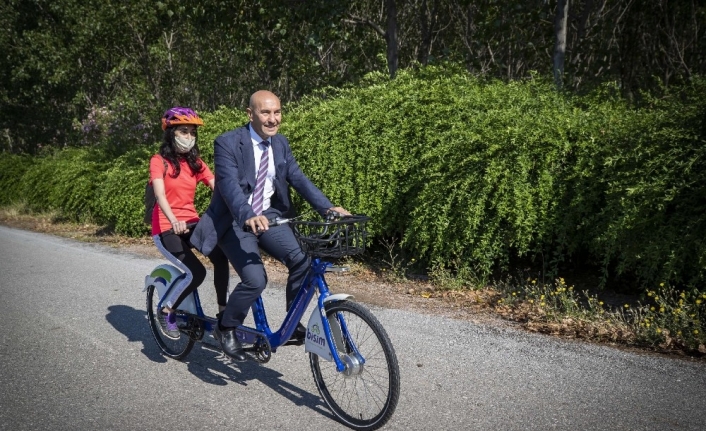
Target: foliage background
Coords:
[[89, 72], [469, 175]]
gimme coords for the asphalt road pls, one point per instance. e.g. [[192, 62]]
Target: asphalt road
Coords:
[[76, 353]]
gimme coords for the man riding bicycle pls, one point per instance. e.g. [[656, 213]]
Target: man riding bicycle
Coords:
[[254, 169]]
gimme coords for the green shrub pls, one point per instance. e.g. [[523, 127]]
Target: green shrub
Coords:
[[65, 181], [467, 172], [12, 170], [120, 199], [652, 225], [474, 174], [465, 175]]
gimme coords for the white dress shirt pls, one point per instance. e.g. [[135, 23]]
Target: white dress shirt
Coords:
[[258, 148]]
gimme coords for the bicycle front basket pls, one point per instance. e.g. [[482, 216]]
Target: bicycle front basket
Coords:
[[333, 239]]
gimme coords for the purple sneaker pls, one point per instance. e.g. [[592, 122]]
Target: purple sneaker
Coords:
[[170, 328]]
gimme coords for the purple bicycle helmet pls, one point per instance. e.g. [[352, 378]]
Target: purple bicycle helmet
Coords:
[[180, 115]]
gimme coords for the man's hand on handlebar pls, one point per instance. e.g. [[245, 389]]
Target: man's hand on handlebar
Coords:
[[260, 224], [257, 224], [336, 212]]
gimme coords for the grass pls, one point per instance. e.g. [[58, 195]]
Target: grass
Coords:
[[666, 319]]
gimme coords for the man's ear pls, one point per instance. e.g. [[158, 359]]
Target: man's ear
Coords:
[[249, 111]]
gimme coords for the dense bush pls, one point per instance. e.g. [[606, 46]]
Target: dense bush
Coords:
[[473, 174], [652, 225], [12, 171], [62, 180], [120, 197], [469, 175]]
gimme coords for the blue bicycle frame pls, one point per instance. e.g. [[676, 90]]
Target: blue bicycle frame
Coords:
[[313, 280]]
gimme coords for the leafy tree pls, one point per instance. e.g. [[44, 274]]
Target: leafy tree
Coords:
[[94, 72]]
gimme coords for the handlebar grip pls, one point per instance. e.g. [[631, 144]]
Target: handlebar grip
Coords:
[[335, 215], [270, 221], [189, 226]]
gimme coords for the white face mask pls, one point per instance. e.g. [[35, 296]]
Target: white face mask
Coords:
[[184, 145]]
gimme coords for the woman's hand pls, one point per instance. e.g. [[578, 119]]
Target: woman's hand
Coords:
[[179, 227]]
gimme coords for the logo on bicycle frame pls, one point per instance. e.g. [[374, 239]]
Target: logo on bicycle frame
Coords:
[[313, 335]]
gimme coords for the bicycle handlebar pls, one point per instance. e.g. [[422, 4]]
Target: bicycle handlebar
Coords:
[[189, 226], [331, 215], [271, 222]]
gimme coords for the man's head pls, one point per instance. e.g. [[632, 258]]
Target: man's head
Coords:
[[265, 113]]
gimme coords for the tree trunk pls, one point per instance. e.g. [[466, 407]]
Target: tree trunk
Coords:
[[391, 37], [428, 19], [425, 34], [560, 23]]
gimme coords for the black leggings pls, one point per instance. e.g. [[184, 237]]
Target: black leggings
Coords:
[[180, 247]]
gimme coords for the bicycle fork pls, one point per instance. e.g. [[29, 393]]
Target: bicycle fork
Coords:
[[335, 344]]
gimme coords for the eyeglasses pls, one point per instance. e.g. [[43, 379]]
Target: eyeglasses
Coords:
[[185, 131]]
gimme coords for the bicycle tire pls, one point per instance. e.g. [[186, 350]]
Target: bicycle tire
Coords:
[[173, 348], [367, 399]]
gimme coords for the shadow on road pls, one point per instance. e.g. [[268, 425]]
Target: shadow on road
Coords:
[[133, 324], [208, 363], [211, 366]]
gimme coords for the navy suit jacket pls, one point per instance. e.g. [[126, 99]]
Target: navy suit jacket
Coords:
[[235, 182]]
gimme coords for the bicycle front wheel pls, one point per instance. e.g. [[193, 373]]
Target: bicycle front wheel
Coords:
[[176, 347], [365, 395]]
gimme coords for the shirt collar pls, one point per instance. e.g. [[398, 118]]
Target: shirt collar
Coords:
[[255, 138]]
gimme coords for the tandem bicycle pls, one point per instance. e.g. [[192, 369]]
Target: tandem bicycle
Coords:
[[352, 359]]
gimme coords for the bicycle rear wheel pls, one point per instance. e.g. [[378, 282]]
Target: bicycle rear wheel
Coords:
[[365, 395], [175, 348]]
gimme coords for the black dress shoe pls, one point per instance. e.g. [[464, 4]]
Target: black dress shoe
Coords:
[[298, 336], [230, 344]]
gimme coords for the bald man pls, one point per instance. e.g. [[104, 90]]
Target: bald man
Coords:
[[254, 170]]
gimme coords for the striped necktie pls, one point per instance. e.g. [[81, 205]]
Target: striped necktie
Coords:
[[259, 193]]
